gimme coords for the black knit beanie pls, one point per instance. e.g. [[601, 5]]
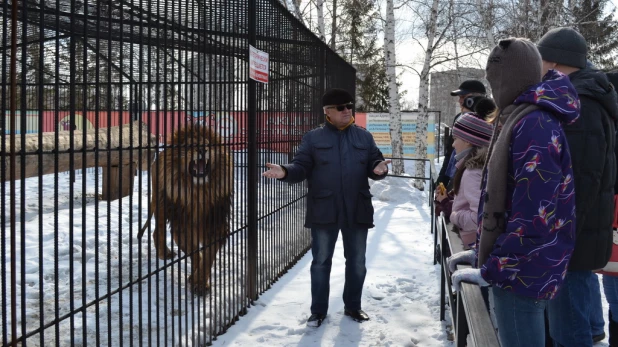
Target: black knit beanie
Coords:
[[564, 46], [336, 96]]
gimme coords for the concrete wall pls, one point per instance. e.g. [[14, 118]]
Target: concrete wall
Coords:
[[441, 85]]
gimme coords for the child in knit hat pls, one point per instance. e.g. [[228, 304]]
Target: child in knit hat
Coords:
[[472, 135]]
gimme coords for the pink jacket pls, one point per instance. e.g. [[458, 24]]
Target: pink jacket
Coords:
[[462, 210], [466, 203]]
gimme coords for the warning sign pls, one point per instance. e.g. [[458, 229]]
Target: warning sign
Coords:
[[258, 65]]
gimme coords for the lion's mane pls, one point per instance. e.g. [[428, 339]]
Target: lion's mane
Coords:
[[192, 185]]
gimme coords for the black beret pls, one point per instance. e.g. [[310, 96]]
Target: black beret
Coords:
[[336, 96]]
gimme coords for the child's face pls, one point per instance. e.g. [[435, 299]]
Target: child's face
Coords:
[[460, 145]]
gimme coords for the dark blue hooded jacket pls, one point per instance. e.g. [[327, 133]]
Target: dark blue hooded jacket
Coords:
[[337, 165]]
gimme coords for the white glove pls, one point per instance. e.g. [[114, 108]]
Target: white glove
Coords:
[[468, 275], [465, 257]]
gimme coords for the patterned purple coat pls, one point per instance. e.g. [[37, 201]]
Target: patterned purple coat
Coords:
[[531, 257]]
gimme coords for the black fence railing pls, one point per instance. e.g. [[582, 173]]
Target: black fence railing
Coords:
[[132, 142], [471, 321]]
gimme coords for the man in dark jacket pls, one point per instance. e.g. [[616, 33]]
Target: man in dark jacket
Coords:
[[466, 88], [610, 281], [591, 141], [337, 159]]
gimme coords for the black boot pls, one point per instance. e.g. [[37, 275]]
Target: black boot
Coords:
[[357, 315], [613, 332], [316, 320]]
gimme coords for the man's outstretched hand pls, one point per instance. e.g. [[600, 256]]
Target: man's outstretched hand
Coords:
[[274, 171], [382, 167]]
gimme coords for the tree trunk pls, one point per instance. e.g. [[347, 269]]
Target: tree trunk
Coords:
[[393, 89], [333, 38], [452, 14], [423, 98], [299, 15], [320, 10], [486, 16]]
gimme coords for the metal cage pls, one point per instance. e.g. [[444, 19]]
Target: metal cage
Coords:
[[113, 110]]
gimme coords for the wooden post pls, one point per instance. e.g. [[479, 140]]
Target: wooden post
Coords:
[[112, 176]]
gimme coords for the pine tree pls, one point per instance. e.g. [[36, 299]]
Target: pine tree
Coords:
[[358, 34], [372, 86], [599, 30]]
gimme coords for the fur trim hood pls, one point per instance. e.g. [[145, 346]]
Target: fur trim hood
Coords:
[[476, 160]]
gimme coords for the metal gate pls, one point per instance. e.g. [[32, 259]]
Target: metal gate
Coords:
[[118, 116]]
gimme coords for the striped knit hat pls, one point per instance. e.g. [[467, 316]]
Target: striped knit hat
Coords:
[[473, 130]]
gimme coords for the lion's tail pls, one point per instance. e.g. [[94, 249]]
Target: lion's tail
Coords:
[[145, 227]]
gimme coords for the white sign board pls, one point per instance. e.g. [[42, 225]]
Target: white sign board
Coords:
[[258, 65]]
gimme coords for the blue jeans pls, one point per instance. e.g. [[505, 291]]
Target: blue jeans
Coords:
[[597, 323], [610, 287], [322, 248], [571, 310], [520, 319]]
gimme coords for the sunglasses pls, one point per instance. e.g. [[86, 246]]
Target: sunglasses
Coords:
[[343, 107]]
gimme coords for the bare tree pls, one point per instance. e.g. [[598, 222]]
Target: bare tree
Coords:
[[333, 35], [391, 76], [486, 12], [423, 95], [320, 12], [297, 10]]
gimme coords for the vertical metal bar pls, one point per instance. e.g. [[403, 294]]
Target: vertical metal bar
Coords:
[[211, 97], [86, 94], [140, 102], [23, 88], [184, 105], [144, 66], [56, 177], [462, 330], [117, 105], [12, 166], [97, 110], [444, 269], [132, 164], [252, 232], [73, 125], [108, 109], [41, 108], [3, 172], [153, 54]]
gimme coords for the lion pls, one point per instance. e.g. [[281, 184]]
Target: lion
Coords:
[[192, 191]]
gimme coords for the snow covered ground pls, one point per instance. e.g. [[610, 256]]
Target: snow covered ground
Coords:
[[401, 289]]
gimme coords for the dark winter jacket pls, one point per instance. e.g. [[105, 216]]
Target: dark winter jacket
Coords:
[[592, 142], [613, 78], [337, 165], [443, 175], [531, 256]]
